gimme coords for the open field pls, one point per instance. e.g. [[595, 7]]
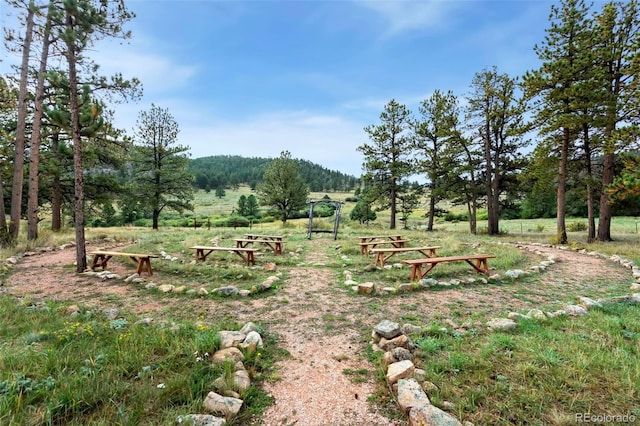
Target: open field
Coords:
[[89, 369]]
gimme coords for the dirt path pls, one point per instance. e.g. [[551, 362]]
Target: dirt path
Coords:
[[318, 321]]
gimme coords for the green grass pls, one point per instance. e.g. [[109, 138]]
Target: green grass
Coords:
[[84, 369], [541, 373]]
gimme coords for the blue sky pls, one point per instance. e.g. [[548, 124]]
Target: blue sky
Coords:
[[254, 78]]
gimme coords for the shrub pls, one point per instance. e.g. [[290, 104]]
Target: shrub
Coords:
[[577, 227]]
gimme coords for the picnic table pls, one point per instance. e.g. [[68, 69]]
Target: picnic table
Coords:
[[247, 254], [275, 245], [477, 261], [370, 238], [368, 245], [264, 237], [383, 254], [102, 257]]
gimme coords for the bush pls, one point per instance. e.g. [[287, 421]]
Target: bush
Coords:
[[456, 217], [577, 227]]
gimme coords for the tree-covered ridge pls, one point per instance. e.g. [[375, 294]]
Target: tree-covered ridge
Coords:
[[232, 170]]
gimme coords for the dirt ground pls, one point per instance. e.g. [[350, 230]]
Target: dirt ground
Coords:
[[323, 326]]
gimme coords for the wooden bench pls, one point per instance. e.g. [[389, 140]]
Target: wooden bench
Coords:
[[366, 246], [247, 254], [102, 257], [477, 261], [383, 254], [274, 245]]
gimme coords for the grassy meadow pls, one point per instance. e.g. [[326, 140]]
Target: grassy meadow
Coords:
[[86, 369]]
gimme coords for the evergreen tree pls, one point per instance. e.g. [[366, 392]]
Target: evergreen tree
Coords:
[[161, 179], [282, 187], [387, 159]]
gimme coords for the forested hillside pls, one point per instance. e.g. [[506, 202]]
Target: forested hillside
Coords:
[[230, 171]]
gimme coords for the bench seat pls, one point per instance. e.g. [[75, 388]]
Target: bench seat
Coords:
[[247, 254], [477, 261], [383, 254], [102, 257]]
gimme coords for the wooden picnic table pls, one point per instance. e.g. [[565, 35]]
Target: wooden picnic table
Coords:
[[383, 254], [264, 237], [247, 254], [477, 261], [368, 245], [370, 238], [102, 257], [275, 245]]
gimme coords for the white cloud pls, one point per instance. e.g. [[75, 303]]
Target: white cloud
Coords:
[[403, 16], [158, 74]]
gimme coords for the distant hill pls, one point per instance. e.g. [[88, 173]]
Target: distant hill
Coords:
[[232, 170]]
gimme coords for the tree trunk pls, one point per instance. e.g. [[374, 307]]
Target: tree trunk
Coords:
[[18, 160], [591, 233], [56, 188], [34, 152], [432, 211], [156, 215], [81, 254], [561, 229], [604, 222], [392, 223], [4, 231]]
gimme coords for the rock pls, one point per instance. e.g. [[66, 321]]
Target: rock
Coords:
[[366, 288], [575, 310], [411, 329], [516, 316], [231, 338], [350, 282], [180, 289], [12, 260], [420, 375], [448, 405], [248, 327], [131, 277], [401, 341], [400, 370], [402, 354], [427, 282], [537, 314], [234, 354], [501, 324], [244, 293], [556, 313], [226, 290], [371, 267], [635, 287], [515, 273], [218, 404], [202, 291], [388, 329], [72, 310], [430, 415], [241, 380], [588, 303], [411, 395], [405, 287], [496, 277], [151, 286], [165, 288], [270, 267], [200, 420], [144, 321], [253, 340]]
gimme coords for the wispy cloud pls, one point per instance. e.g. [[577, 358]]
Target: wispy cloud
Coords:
[[404, 16]]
